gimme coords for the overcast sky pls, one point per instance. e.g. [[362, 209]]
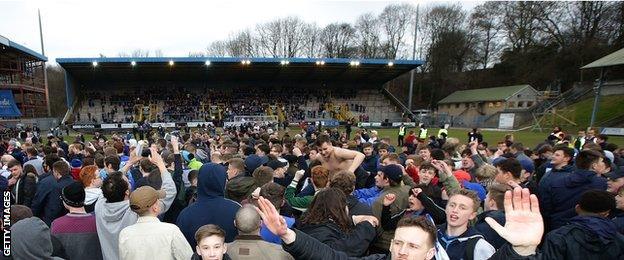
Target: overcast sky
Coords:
[[74, 28]]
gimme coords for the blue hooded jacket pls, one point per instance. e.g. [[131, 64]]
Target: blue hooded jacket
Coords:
[[585, 237], [211, 207], [566, 192]]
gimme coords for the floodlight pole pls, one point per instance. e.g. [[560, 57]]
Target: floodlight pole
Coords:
[[597, 98], [45, 72], [411, 85]]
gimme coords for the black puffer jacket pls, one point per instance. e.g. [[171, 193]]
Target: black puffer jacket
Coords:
[[308, 248], [354, 243]]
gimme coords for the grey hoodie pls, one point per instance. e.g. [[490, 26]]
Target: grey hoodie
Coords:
[[30, 239], [111, 218], [91, 195]]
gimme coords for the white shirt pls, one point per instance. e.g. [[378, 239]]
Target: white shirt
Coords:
[[151, 239]]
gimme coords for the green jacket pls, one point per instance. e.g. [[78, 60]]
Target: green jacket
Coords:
[[400, 203], [299, 203]]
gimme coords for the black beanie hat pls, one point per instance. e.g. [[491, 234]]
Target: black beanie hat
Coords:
[[74, 195]]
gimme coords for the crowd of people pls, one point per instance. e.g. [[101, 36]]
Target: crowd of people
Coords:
[[200, 104], [253, 192]]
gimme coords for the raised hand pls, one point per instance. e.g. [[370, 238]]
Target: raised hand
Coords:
[[271, 218], [175, 143], [155, 157], [297, 152], [524, 225], [299, 174], [443, 168], [473, 145], [389, 199], [416, 191], [361, 218]]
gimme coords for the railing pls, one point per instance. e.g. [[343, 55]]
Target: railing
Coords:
[[398, 102], [614, 121]]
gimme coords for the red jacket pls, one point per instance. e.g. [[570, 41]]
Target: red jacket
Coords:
[[75, 172]]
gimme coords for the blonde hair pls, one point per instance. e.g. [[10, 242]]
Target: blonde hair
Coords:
[[486, 172], [476, 202]]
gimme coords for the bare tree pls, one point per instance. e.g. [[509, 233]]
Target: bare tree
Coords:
[[217, 49], [484, 26], [395, 20], [337, 40], [368, 30], [292, 36], [197, 54], [312, 46], [443, 23], [158, 53], [140, 53], [591, 21], [241, 45], [270, 38], [520, 25]]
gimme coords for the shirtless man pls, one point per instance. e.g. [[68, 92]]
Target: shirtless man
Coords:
[[336, 159]]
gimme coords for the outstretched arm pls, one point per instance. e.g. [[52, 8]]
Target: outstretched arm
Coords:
[[524, 226], [346, 154]]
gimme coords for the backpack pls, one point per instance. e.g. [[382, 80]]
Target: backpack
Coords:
[[470, 248]]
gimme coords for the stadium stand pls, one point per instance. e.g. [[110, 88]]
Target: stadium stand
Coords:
[[111, 90], [194, 104]]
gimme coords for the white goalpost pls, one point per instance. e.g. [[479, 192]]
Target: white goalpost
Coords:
[[256, 120]]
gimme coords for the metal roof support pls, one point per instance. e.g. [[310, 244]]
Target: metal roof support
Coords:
[[597, 90]]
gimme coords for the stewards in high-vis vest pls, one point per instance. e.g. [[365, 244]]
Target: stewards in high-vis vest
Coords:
[[423, 132], [443, 132], [401, 134]]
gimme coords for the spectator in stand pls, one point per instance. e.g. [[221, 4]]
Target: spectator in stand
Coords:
[[76, 230]]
